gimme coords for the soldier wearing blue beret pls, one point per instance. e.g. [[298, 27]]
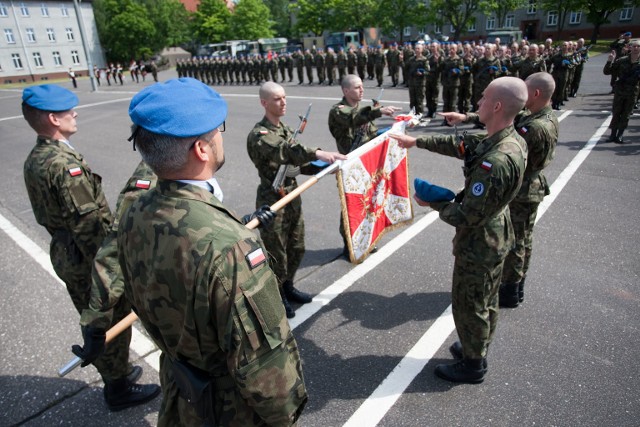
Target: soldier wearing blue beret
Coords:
[[67, 199], [199, 279]]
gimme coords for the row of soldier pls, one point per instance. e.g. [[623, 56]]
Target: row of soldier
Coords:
[[115, 72]]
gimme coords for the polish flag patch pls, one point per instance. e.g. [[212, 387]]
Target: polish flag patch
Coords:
[[264, 132], [256, 258], [486, 166], [142, 183], [75, 171], [523, 130]]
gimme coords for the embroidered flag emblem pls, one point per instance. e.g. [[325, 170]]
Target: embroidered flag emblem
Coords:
[[256, 258], [523, 130], [143, 183], [486, 166], [264, 132], [75, 171]]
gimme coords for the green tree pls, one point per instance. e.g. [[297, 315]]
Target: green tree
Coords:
[[459, 13], [353, 15], [250, 20], [171, 20], [562, 7], [598, 12], [313, 16], [394, 15], [280, 14], [211, 21]]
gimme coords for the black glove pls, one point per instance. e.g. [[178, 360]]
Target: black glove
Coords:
[[264, 214], [94, 339]]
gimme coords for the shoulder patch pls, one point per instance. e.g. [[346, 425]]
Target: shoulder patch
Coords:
[[477, 189], [523, 130], [256, 257], [143, 183], [264, 132], [75, 171], [486, 166]]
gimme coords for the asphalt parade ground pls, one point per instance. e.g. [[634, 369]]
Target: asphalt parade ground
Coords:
[[374, 332]]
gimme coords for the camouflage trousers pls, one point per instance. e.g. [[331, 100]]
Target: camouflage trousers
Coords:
[[523, 217], [379, 74], [393, 72], [284, 240], [75, 271], [474, 301], [300, 72], [622, 108], [464, 96], [561, 85], [416, 96], [309, 74], [431, 93], [449, 97]]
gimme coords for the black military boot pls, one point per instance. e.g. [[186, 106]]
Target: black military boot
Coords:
[[521, 291], [613, 136], [135, 374], [509, 295], [122, 394], [295, 295], [287, 307], [462, 371], [618, 139], [456, 352]]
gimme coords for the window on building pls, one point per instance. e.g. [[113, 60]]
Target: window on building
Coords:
[[532, 7], [575, 17], [17, 62], [406, 31], [626, 13], [24, 10], [491, 23], [8, 34], [471, 27], [3, 10], [31, 35], [44, 9], [75, 58], [552, 18], [64, 10], [509, 20], [57, 60], [37, 59], [69, 32], [437, 29], [51, 35]]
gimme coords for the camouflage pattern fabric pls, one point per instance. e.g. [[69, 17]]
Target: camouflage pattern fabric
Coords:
[[465, 91], [483, 74], [560, 73], [529, 66], [345, 121], [451, 82], [417, 69], [205, 293], [268, 147], [67, 199], [432, 84], [494, 169], [626, 87]]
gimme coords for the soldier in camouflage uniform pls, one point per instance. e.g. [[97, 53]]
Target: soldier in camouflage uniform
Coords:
[[319, 62], [269, 147], [452, 69], [67, 199], [581, 56], [417, 69], [341, 63], [308, 65], [432, 83], [539, 128], [626, 88], [407, 54], [206, 295], [466, 80], [361, 61], [352, 125], [561, 62], [485, 70], [533, 63], [298, 63], [493, 167], [352, 60], [393, 63], [330, 64]]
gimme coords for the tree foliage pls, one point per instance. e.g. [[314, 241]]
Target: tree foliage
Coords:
[[394, 15], [562, 7], [459, 13], [598, 12], [250, 20], [313, 16], [211, 21], [280, 15], [500, 8]]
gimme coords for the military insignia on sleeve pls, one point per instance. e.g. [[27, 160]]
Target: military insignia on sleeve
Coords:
[[477, 189], [340, 106], [75, 171], [523, 130], [143, 183], [264, 132], [486, 166], [255, 258]]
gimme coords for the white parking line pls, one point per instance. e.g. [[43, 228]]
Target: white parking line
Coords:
[[389, 391]]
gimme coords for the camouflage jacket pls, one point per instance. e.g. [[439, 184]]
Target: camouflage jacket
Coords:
[[345, 122], [494, 169], [201, 284], [627, 73], [449, 76], [417, 69], [269, 147], [528, 66], [485, 70], [540, 131], [107, 284], [66, 197]]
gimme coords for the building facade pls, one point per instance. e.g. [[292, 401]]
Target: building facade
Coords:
[[41, 40], [538, 24]]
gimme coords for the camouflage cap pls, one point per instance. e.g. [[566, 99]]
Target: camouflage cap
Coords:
[[178, 107], [432, 193], [49, 97]]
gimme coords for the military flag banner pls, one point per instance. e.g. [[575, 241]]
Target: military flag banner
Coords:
[[374, 192]]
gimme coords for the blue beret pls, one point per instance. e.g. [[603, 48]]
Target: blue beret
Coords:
[[627, 34], [178, 107], [49, 98], [432, 193]]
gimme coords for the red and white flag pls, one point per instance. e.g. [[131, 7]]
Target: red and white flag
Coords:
[[374, 191]]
